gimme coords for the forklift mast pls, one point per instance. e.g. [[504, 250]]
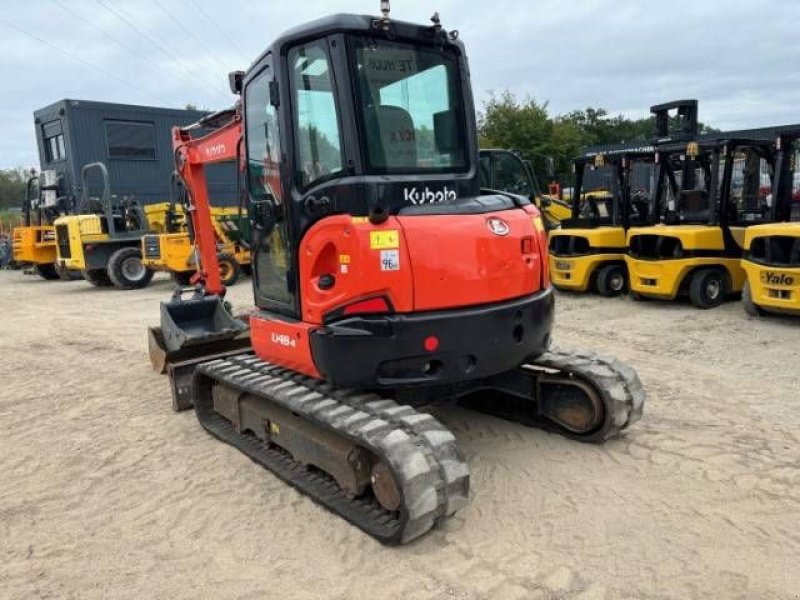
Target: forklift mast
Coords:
[[783, 181], [675, 121]]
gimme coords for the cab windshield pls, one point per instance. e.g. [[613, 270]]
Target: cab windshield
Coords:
[[411, 107]]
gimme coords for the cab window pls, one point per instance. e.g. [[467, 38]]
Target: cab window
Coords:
[[316, 123]]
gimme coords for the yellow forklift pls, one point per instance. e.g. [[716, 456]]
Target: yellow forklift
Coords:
[[507, 171], [33, 242], [707, 193], [588, 251], [103, 239], [772, 251]]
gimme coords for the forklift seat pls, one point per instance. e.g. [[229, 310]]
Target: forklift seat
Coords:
[[693, 205]]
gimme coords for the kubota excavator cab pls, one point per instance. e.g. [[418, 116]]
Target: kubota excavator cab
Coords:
[[365, 200]]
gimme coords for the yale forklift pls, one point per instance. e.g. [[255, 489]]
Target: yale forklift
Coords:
[[772, 251], [103, 239], [34, 241], [588, 251], [383, 278], [507, 171], [707, 193]]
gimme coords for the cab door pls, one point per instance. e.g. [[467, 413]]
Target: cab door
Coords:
[[273, 280]]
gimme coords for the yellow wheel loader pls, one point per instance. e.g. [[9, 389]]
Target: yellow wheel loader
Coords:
[[772, 250], [173, 250], [104, 239]]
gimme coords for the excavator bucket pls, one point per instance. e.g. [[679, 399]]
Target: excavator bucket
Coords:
[[191, 328], [192, 331]]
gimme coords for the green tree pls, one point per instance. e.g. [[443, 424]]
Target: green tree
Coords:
[[522, 125], [12, 187], [525, 126]]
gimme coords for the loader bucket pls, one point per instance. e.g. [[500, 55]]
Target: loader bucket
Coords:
[[194, 328]]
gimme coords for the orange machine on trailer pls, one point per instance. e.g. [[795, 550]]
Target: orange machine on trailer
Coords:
[[383, 280]]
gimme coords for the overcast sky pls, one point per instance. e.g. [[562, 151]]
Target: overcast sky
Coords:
[[739, 58]]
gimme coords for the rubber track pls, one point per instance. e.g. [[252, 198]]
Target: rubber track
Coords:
[[618, 385], [421, 453]]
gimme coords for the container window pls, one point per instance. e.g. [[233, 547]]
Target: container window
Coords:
[[53, 137], [131, 140]]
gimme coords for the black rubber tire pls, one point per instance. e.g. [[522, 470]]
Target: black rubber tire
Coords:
[[708, 288], [181, 277], [97, 277], [750, 307], [229, 268], [6, 252], [47, 271], [119, 269], [611, 280]]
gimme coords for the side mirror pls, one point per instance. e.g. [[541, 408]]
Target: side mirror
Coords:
[[235, 80]]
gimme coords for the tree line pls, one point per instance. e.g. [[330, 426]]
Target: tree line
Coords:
[[12, 187], [526, 125]]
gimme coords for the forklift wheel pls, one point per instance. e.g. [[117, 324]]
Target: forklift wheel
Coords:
[[47, 271], [750, 307], [126, 269], [708, 288], [612, 280], [97, 277], [228, 268]]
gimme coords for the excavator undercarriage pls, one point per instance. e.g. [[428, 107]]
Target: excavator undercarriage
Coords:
[[387, 467]]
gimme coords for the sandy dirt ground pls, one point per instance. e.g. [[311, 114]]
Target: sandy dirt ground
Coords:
[[106, 493]]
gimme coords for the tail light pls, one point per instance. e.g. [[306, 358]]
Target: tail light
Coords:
[[370, 305], [365, 306]]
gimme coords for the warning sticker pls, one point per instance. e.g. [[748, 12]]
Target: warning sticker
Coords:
[[386, 238], [390, 260]]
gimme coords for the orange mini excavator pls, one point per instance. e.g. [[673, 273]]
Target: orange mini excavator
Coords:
[[384, 279]]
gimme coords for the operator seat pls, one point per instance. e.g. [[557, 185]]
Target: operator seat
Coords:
[[392, 132], [693, 205]]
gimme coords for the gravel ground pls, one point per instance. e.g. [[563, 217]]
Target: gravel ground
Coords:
[[107, 493]]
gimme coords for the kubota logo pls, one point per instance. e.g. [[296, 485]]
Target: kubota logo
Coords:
[[497, 226], [427, 195], [284, 340], [771, 278], [215, 150]]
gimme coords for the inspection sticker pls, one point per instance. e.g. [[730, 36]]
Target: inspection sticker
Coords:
[[390, 260], [384, 238]]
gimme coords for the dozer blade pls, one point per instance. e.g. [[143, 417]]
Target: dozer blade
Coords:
[[192, 328]]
